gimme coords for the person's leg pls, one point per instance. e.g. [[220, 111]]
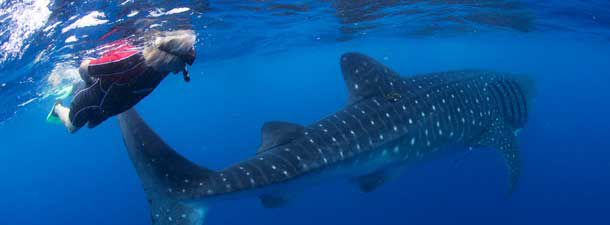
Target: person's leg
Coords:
[[96, 117], [64, 115], [85, 104], [78, 86], [62, 112]]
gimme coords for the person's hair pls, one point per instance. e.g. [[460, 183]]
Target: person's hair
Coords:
[[163, 53]]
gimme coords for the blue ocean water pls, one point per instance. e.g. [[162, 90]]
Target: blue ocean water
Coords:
[[279, 60]]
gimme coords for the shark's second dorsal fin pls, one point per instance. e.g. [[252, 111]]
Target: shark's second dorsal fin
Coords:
[[366, 77], [276, 133]]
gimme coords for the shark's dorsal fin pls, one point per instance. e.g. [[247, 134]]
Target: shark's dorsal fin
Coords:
[[503, 138], [276, 133], [366, 78]]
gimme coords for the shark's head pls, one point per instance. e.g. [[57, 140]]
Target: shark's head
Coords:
[[528, 85], [514, 95]]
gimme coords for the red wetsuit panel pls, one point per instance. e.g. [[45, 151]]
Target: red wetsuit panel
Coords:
[[121, 63]]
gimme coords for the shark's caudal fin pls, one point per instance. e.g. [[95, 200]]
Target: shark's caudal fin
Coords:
[[166, 176]]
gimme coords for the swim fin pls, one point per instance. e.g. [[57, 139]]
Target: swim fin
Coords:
[[61, 94], [52, 116]]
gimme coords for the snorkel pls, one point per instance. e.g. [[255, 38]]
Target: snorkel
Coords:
[[185, 74], [188, 58], [179, 44]]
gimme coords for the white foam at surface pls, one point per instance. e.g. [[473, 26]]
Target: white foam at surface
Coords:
[[71, 39], [92, 19], [133, 13], [48, 28], [177, 10], [24, 18], [159, 12]]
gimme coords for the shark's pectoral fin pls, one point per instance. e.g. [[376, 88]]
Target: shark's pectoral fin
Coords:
[[513, 160], [273, 200], [174, 212], [167, 178], [371, 182], [503, 138]]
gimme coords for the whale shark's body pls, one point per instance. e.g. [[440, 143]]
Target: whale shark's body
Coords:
[[389, 123]]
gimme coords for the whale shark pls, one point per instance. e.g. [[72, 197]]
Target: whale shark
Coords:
[[388, 124]]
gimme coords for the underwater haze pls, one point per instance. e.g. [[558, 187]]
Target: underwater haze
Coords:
[[270, 60]]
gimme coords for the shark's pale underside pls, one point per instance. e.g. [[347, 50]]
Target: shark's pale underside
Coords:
[[389, 123]]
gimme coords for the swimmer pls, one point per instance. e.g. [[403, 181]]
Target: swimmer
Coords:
[[123, 76]]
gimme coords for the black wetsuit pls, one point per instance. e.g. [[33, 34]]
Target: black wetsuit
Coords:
[[104, 97]]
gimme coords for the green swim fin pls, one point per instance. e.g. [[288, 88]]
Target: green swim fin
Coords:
[[52, 117], [62, 94]]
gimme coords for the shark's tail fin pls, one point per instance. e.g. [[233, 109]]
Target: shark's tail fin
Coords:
[[169, 180]]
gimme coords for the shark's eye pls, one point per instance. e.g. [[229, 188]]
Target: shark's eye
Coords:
[[393, 97]]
